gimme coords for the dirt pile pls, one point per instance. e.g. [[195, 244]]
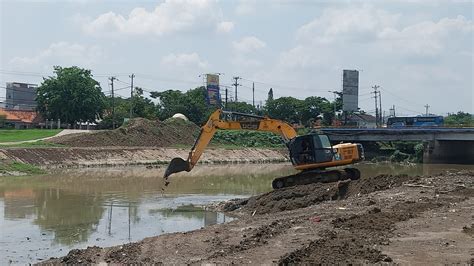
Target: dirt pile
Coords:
[[302, 196], [137, 132]]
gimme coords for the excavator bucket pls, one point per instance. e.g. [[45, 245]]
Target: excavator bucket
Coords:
[[177, 165]]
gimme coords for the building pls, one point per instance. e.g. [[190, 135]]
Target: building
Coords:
[[20, 96], [20, 119]]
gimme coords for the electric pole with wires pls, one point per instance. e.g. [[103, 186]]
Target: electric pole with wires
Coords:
[[113, 101], [253, 94], [375, 92], [131, 95], [236, 84]]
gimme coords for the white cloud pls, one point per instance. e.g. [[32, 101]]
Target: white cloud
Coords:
[[375, 32], [246, 7], [168, 17], [248, 44], [61, 53], [349, 24], [427, 37], [225, 26], [183, 60]]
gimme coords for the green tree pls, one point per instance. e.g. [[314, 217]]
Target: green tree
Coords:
[[460, 119], [122, 110], [285, 108], [142, 106], [241, 107], [312, 107], [270, 95], [191, 103], [72, 96]]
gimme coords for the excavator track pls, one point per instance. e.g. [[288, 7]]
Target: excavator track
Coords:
[[316, 176]]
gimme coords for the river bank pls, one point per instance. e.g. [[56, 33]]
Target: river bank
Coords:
[[72, 157], [383, 218]]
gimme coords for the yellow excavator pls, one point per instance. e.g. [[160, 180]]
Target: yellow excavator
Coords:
[[311, 154]]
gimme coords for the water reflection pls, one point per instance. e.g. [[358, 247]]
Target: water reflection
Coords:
[[46, 216], [72, 217]]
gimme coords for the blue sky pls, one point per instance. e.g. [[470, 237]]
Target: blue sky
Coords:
[[419, 52]]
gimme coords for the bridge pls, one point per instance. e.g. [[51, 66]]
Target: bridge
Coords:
[[442, 145]]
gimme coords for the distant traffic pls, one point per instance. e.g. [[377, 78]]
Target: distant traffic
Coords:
[[415, 121]]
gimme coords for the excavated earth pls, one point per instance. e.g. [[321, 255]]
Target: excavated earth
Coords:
[[137, 132], [382, 219]]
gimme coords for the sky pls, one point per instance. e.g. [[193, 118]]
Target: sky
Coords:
[[420, 52]]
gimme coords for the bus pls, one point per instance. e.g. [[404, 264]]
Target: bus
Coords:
[[415, 121]]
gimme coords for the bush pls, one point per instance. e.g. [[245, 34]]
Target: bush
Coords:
[[247, 139]]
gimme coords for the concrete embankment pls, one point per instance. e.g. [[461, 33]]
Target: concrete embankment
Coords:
[[120, 156]]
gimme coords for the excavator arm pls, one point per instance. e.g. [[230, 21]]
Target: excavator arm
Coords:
[[214, 123]]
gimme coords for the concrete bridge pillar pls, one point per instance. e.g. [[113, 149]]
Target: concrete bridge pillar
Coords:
[[449, 152]]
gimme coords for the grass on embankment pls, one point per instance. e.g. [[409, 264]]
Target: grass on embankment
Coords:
[[14, 135], [17, 168], [36, 144]]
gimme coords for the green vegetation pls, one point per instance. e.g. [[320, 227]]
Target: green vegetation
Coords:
[[301, 111], [72, 96], [36, 144], [460, 119], [13, 135], [191, 103], [242, 138], [6, 168], [396, 151]]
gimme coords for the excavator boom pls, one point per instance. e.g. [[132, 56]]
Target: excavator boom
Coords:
[[215, 122], [311, 154]]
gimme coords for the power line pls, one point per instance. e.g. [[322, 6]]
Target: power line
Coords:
[[400, 98]]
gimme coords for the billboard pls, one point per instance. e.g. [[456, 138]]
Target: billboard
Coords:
[[350, 90], [213, 92]]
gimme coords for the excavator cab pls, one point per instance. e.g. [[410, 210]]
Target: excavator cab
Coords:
[[310, 149]]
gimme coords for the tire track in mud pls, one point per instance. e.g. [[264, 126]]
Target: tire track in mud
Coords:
[[259, 237], [353, 238]]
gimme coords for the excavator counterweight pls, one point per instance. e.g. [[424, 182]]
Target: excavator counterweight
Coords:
[[311, 154]]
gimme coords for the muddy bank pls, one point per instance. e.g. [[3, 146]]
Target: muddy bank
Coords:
[[119, 156], [360, 221]]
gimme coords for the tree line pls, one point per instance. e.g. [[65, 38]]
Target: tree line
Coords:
[[73, 96]]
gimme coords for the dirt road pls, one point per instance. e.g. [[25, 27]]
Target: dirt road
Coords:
[[401, 219]]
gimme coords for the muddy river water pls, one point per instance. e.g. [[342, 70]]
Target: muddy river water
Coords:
[[46, 216]]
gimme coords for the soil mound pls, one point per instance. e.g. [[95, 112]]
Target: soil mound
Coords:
[[137, 132], [303, 196]]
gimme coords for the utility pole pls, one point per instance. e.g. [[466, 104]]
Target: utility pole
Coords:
[[131, 95], [392, 111], [427, 107], [375, 92], [236, 84], [381, 112], [253, 94], [226, 95], [113, 101]]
